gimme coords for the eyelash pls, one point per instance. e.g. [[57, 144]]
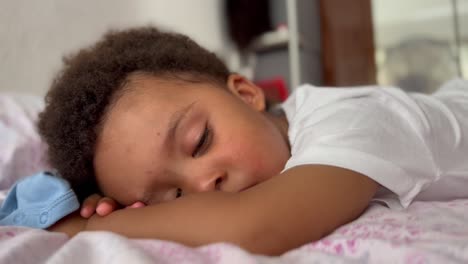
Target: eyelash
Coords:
[[201, 147], [178, 192], [203, 143]]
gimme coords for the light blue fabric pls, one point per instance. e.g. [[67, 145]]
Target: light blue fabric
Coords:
[[38, 201]]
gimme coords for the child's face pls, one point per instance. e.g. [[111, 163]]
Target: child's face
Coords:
[[166, 138]]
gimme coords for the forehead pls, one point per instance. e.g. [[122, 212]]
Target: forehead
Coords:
[[141, 88], [131, 132]]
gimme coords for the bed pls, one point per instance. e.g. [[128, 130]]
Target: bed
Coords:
[[427, 232]]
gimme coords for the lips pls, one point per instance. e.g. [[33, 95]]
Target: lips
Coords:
[[247, 187]]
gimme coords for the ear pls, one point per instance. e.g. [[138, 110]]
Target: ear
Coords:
[[247, 91]]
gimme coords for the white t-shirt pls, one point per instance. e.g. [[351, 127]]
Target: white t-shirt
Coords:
[[415, 146]]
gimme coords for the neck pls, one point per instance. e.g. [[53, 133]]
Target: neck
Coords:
[[278, 117]]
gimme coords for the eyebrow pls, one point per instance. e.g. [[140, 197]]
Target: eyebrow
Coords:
[[174, 122]]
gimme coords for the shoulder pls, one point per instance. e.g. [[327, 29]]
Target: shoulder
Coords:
[[316, 113], [310, 104], [307, 94]]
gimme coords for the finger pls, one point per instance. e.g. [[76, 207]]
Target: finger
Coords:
[[137, 205], [89, 205], [106, 206]]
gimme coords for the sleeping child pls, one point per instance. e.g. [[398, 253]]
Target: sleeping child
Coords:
[[159, 140]]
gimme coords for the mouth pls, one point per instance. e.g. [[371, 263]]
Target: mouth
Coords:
[[247, 187]]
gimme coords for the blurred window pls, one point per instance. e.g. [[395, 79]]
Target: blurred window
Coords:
[[420, 44]]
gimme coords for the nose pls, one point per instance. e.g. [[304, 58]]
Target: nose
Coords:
[[205, 182]]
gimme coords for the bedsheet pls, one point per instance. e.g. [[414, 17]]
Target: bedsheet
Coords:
[[22, 152], [427, 232]]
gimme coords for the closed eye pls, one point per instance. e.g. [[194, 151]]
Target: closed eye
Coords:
[[178, 193], [203, 143]]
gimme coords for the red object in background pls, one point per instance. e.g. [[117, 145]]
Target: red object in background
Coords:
[[275, 89]]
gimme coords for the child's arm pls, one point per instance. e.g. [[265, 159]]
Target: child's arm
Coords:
[[70, 224], [301, 205]]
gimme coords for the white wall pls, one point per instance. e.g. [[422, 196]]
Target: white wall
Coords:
[[34, 35]]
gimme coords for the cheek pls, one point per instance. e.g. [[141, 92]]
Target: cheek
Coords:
[[268, 155], [257, 158]]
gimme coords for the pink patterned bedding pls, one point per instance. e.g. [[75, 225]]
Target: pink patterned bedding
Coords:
[[427, 232]]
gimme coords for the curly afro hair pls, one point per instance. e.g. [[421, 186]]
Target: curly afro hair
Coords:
[[90, 81]]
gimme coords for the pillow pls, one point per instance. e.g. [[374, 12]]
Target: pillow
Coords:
[[22, 152]]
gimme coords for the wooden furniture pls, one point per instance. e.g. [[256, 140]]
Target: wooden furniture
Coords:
[[347, 43]]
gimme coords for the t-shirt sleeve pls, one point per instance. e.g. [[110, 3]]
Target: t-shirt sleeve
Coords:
[[367, 136]]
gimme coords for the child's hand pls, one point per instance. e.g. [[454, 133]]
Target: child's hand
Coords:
[[102, 206], [97, 204]]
